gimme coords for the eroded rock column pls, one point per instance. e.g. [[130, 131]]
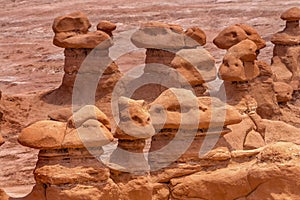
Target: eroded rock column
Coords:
[[86, 56], [68, 164], [286, 53], [189, 134], [174, 58]]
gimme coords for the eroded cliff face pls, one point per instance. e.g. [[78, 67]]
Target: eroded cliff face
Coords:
[[180, 143]]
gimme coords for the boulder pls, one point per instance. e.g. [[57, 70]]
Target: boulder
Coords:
[[292, 14], [104, 190], [107, 27], [91, 133], [61, 115], [158, 35], [253, 140], [89, 40], [196, 35], [73, 22], [174, 106], [234, 34], [196, 66], [44, 134], [88, 112]]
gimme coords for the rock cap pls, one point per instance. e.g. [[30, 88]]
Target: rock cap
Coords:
[[292, 14]]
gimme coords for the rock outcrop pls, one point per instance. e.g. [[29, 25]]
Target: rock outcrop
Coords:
[[286, 59], [174, 58], [272, 174], [86, 57]]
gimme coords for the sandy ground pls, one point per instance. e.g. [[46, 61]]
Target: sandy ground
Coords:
[[30, 63]]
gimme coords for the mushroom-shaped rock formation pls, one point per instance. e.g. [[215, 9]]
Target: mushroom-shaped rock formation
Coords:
[[71, 31], [66, 161], [286, 53], [134, 127], [234, 34], [243, 74], [170, 49], [86, 56], [184, 120]]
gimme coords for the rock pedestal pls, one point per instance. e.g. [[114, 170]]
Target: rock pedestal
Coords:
[[174, 58], [67, 167], [86, 57], [134, 127], [286, 53], [187, 127], [244, 76]]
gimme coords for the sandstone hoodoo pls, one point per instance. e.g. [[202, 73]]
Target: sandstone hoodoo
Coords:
[[67, 167], [184, 120], [176, 54], [134, 127], [170, 140], [86, 56], [286, 53], [243, 75]]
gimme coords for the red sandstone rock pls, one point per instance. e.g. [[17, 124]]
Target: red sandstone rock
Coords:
[[91, 133], [169, 110], [251, 180], [239, 62], [292, 14], [106, 26], [1, 140], [61, 115], [86, 113], [196, 34], [73, 22], [3, 195], [253, 140], [89, 40], [283, 91], [158, 35], [237, 33], [43, 135], [135, 122]]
